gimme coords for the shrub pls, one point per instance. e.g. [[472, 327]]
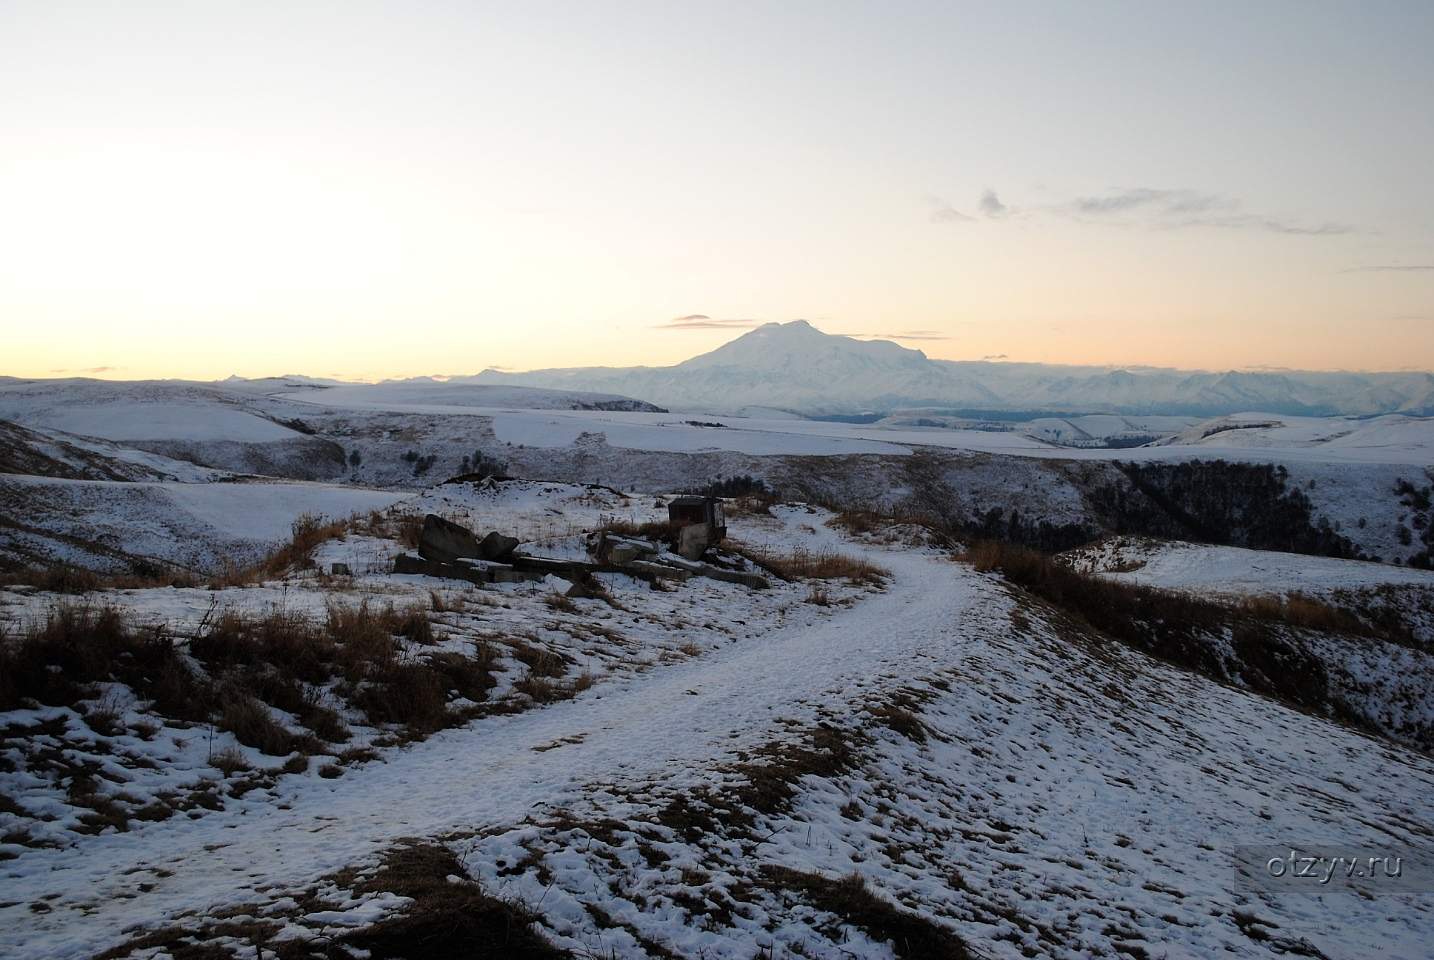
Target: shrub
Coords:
[[252, 724], [1181, 628], [59, 661], [364, 637], [229, 761], [411, 694], [625, 527], [306, 533]]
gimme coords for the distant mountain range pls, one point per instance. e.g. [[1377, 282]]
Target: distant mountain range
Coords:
[[795, 367]]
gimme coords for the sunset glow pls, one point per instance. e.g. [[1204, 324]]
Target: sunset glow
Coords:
[[373, 190]]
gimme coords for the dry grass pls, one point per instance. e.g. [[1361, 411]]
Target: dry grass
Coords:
[[450, 916], [1030, 567], [411, 694], [645, 530], [559, 602], [1188, 630], [1307, 612], [58, 662], [68, 579], [805, 565], [765, 783], [910, 933], [753, 505], [409, 530], [540, 662], [306, 533], [860, 522], [297, 553], [253, 724], [229, 761], [250, 664]]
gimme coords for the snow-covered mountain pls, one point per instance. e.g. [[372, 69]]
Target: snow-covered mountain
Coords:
[[794, 366]]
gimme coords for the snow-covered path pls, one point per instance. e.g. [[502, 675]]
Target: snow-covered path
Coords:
[[658, 724]]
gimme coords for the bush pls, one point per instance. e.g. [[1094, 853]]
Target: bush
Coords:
[[410, 694], [252, 724], [58, 662], [306, 533], [1187, 630]]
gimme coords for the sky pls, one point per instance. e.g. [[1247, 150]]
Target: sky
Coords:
[[370, 190]]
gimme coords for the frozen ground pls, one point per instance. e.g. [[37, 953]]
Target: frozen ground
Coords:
[[1390, 439], [1204, 569], [111, 525], [1025, 785]]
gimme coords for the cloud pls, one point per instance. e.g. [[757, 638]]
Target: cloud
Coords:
[[995, 356], [992, 206], [700, 321], [87, 370], [1271, 224], [943, 212], [1179, 209], [1146, 198], [904, 335], [1392, 268]]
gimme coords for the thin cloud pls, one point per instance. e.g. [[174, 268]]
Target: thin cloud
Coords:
[[992, 206], [995, 356], [943, 212], [1180, 209], [700, 321], [1392, 268], [1270, 224], [87, 370], [905, 335], [1146, 198]]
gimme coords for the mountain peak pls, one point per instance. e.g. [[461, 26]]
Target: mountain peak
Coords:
[[798, 343]]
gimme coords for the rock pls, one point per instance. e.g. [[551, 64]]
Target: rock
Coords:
[[661, 570], [408, 563], [622, 553], [497, 547], [753, 580], [444, 541], [623, 550], [509, 575], [693, 541], [340, 570]]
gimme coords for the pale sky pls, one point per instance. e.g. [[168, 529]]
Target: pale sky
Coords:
[[391, 189]]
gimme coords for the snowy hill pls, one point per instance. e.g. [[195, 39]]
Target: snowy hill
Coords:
[[427, 395], [794, 366], [394, 765]]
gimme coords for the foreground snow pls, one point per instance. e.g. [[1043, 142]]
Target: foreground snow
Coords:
[[1052, 793]]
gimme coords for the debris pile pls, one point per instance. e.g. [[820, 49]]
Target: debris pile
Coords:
[[446, 549], [452, 551]]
